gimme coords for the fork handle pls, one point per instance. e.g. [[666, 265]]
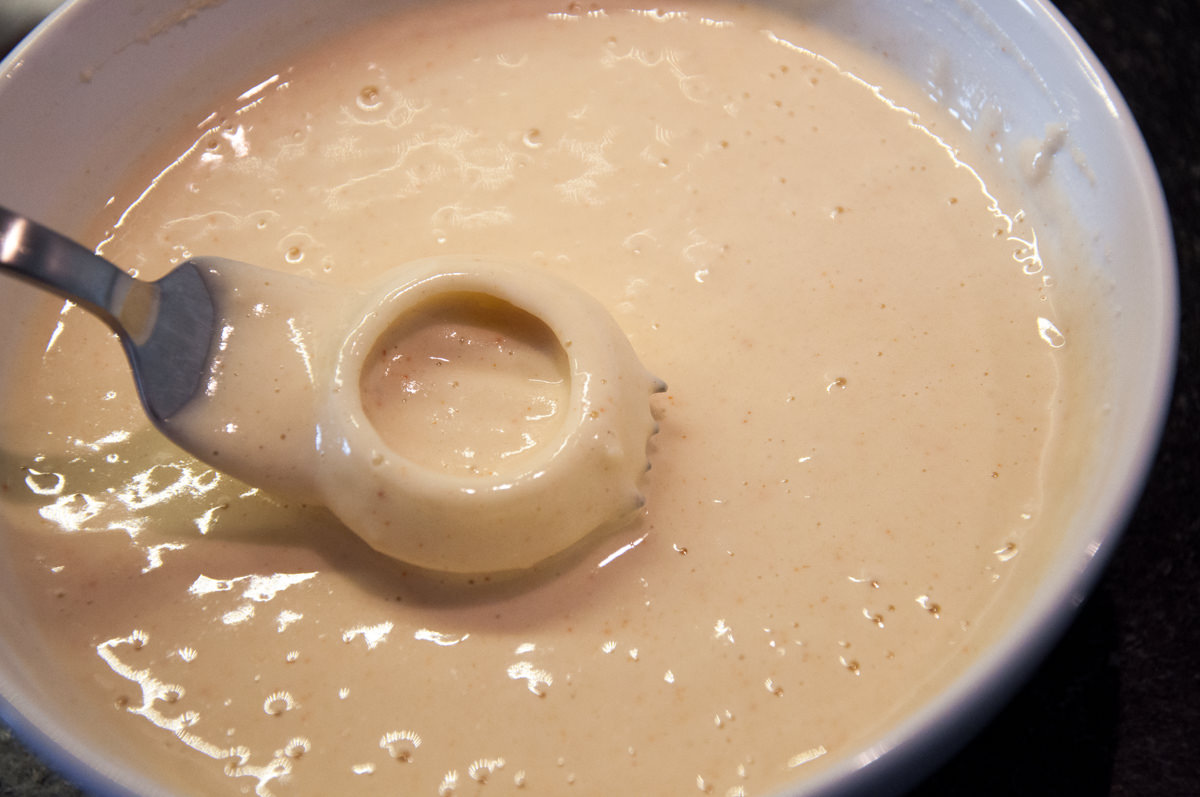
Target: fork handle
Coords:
[[42, 256]]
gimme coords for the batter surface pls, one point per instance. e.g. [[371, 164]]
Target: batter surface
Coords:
[[862, 365]]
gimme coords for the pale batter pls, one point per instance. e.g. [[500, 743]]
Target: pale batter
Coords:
[[863, 367], [291, 402]]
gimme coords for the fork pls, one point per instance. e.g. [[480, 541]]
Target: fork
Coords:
[[166, 327]]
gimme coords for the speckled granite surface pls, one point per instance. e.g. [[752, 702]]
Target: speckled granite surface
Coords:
[[1116, 707]]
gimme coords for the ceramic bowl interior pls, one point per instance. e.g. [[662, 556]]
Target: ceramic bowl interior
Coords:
[[101, 82]]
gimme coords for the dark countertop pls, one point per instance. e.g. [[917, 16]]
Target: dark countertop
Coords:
[[1115, 709]]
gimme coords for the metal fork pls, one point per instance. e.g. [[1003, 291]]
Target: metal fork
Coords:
[[166, 326]]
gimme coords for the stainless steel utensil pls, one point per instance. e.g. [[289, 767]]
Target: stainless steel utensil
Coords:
[[166, 326]]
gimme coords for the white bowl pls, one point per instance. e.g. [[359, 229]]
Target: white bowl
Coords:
[[76, 98]]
